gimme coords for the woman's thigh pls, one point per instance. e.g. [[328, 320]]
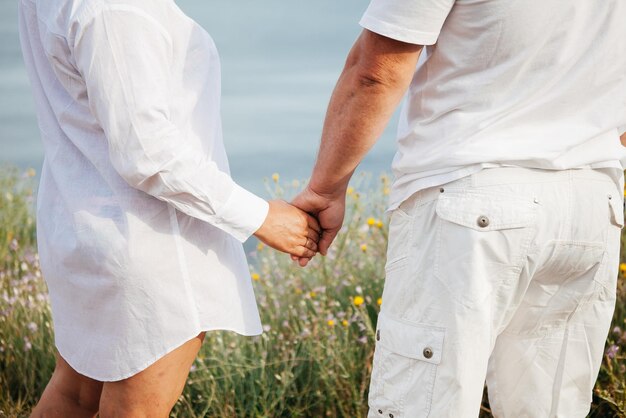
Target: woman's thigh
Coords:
[[153, 391]]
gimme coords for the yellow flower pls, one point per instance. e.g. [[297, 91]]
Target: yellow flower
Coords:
[[331, 322], [255, 276], [371, 221], [9, 236], [275, 177], [260, 246], [379, 224], [298, 291], [358, 300], [312, 294], [622, 268], [364, 247], [379, 301], [350, 190], [31, 172], [344, 323], [386, 191]]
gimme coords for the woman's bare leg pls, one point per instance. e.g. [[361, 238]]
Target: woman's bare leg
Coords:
[[153, 391], [68, 394]]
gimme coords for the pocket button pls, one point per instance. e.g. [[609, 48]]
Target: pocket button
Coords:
[[428, 352], [378, 335], [482, 221]]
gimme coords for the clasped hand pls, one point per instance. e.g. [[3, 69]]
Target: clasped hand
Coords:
[[306, 226]]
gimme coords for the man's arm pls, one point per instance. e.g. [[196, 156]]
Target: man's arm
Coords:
[[377, 73]]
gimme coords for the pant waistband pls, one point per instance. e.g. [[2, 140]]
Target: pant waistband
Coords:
[[510, 175]]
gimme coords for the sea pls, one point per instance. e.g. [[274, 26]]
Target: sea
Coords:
[[280, 61]]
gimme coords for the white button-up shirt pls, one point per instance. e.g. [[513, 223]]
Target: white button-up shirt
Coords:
[[138, 220]]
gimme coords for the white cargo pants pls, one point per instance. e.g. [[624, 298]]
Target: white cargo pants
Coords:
[[508, 276]]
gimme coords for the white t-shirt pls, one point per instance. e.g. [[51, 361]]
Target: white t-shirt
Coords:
[[534, 83]]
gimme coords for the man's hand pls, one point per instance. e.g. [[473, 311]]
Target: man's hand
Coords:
[[329, 210], [290, 230]]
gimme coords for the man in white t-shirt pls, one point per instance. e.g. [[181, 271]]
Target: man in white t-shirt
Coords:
[[507, 206]]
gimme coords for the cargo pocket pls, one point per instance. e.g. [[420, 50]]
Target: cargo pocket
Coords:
[[405, 368], [483, 240], [616, 207]]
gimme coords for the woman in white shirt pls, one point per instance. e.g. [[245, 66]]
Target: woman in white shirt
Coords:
[[139, 222]]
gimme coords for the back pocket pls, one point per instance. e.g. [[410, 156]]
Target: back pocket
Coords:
[[483, 240], [405, 362]]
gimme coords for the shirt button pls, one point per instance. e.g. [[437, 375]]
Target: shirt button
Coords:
[[380, 411], [390, 415], [377, 335], [428, 352], [482, 221]]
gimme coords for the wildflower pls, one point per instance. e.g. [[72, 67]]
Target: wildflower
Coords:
[[295, 184], [386, 191], [371, 221], [379, 301], [193, 368], [350, 190], [358, 300], [362, 340], [32, 327], [9, 236], [611, 352], [27, 344], [617, 331], [260, 246], [331, 322], [345, 323], [298, 291], [9, 196], [31, 172], [255, 276], [364, 247], [622, 269], [312, 294], [275, 177], [14, 245], [266, 328]]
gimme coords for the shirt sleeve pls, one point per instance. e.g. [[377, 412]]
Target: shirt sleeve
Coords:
[[413, 21], [125, 58]]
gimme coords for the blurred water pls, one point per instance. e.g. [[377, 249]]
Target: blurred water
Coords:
[[280, 60]]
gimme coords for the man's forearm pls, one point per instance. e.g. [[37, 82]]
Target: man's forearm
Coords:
[[377, 73]]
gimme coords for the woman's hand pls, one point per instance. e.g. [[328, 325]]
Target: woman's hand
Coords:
[[290, 230]]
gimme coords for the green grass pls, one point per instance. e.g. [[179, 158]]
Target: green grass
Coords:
[[313, 361]]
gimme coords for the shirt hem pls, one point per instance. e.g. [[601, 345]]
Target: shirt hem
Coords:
[[108, 378], [398, 33]]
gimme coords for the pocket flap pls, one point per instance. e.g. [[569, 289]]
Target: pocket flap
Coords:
[[416, 341], [485, 212], [617, 211]]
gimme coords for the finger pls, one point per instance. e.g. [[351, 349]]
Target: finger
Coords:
[[295, 257], [304, 252], [327, 238], [303, 261], [313, 224], [310, 244], [313, 235]]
